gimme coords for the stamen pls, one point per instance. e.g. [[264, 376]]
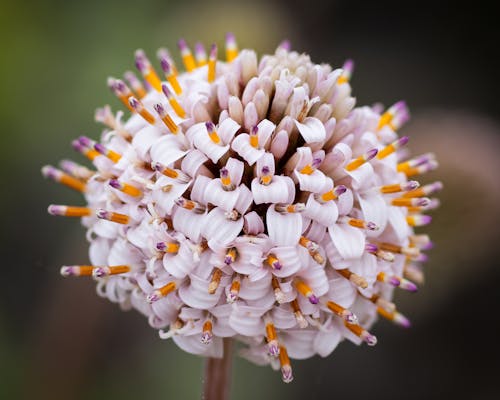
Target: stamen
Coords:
[[113, 216], [161, 292], [167, 68], [136, 84], [90, 153], [77, 170], [272, 340], [354, 278], [59, 176], [273, 262], [363, 334], [207, 335], [426, 190], [266, 177], [101, 149], [411, 202], [212, 61], [232, 215], [200, 54], [215, 281], [414, 272], [415, 162], [298, 314], [305, 291], [166, 118], [146, 69], [187, 57], [234, 290], [286, 368], [254, 136], [307, 170], [69, 211], [422, 169], [395, 116], [101, 272], [359, 223], [343, 313], [285, 45], [171, 173], [308, 244], [173, 101], [418, 220], [90, 270], [397, 282], [212, 133], [231, 47], [125, 188], [358, 162], [225, 180], [121, 90], [331, 194], [423, 242], [141, 110], [391, 148], [393, 248], [387, 305], [395, 317], [168, 247], [278, 293], [163, 53], [290, 208], [190, 205], [347, 69], [400, 187], [230, 256]]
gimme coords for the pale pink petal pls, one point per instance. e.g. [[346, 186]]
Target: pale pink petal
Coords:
[[216, 195], [327, 338], [266, 129], [218, 228], [188, 222], [289, 258], [250, 116], [196, 294], [123, 253], [182, 263], [267, 160], [164, 199], [192, 162], [299, 343], [362, 176], [349, 241], [199, 189], [98, 251], [283, 229], [311, 129], [253, 290], [276, 192], [245, 199], [192, 344], [166, 150], [283, 317], [241, 144], [253, 224], [279, 144], [345, 202], [325, 214], [316, 278], [310, 183], [145, 139], [247, 320], [227, 129], [214, 151], [374, 210], [341, 291]]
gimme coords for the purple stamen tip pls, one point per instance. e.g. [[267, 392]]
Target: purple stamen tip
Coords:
[[437, 185], [274, 350], [100, 148], [399, 106], [67, 271], [316, 162], [423, 202], [101, 213], [151, 298], [285, 45], [198, 48], [230, 37], [115, 183], [265, 170], [206, 338], [255, 130], [313, 299], [98, 272], [410, 286], [394, 281], [210, 126], [182, 44], [411, 185], [286, 374], [161, 246], [120, 86], [159, 108], [49, 171], [224, 172], [134, 103], [372, 226], [277, 265], [371, 248], [76, 145], [54, 210], [371, 153], [340, 189], [426, 219], [405, 323], [165, 65], [403, 140], [213, 51], [85, 141], [351, 318], [228, 260], [348, 65], [371, 340], [166, 90], [428, 246]]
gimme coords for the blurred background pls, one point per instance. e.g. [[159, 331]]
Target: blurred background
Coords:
[[58, 340]]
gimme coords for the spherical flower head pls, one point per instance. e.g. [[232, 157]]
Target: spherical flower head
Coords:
[[251, 199]]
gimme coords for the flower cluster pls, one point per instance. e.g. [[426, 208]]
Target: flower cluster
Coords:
[[250, 199]]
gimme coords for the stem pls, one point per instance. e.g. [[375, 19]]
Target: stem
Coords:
[[217, 375]]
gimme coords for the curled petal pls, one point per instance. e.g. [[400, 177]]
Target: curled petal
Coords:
[[283, 229], [349, 241], [311, 129]]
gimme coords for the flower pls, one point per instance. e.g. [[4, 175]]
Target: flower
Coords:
[[250, 199]]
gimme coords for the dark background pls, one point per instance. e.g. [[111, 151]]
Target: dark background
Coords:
[[59, 340]]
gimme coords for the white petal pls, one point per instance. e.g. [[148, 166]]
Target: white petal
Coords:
[[289, 258], [275, 192], [196, 293], [236, 169], [192, 162], [213, 150], [145, 139], [227, 129], [247, 320], [199, 189], [279, 144], [241, 144], [327, 340], [341, 291], [325, 214], [349, 241], [312, 130], [192, 344], [253, 224], [98, 251], [363, 176], [267, 160], [181, 264], [345, 202], [166, 150], [283, 229], [299, 343], [188, 223], [215, 194], [374, 210], [266, 129], [245, 199], [218, 228], [254, 290], [311, 183]]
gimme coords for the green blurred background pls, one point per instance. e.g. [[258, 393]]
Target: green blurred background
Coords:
[[58, 340]]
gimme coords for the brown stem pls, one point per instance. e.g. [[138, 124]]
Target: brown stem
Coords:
[[217, 375]]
